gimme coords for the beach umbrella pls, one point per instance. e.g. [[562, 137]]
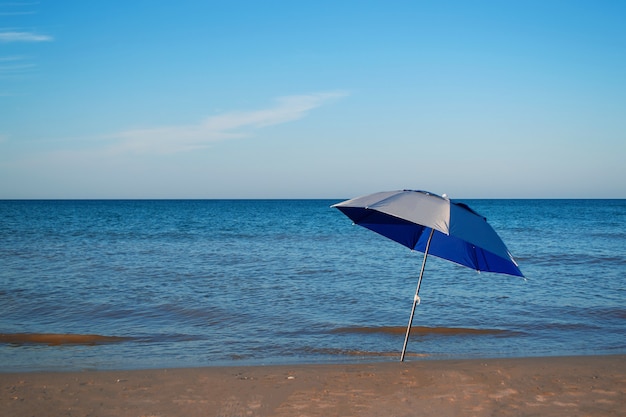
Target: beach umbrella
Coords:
[[434, 225]]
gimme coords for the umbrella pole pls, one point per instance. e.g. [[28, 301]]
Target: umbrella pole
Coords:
[[416, 298]]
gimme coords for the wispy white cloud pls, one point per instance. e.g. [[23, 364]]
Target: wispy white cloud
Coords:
[[12, 58], [170, 139], [15, 67], [14, 36], [16, 13]]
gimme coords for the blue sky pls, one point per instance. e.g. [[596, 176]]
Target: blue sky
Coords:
[[324, 99]]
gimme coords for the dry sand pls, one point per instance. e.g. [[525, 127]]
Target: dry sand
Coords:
[[571, 386]]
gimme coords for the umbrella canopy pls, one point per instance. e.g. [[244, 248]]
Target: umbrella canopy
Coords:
[[434, 225], [460, 234]]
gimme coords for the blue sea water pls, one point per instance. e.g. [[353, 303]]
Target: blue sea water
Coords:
[[251, 282]]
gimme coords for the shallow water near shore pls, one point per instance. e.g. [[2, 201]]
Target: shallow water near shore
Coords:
[[237, 282]]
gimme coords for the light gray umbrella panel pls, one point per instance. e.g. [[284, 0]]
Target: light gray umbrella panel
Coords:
[[434, 225]]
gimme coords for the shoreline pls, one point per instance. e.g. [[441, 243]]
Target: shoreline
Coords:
[[573, 386]]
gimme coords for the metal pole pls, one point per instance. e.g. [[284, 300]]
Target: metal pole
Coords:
[[416, 298]]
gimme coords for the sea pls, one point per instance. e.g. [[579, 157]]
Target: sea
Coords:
[[140, 284]]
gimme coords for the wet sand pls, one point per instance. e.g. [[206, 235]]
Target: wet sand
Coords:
[[563, 386]]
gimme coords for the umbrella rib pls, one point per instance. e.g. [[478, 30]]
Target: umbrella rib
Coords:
[[416, 299]]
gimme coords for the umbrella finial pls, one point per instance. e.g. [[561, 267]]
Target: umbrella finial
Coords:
[[444, 195]]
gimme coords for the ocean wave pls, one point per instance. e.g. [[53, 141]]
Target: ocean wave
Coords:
[[450, 331], [357, 352], [56, 339]]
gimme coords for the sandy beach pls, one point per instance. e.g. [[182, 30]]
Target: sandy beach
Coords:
[[554, 386]]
